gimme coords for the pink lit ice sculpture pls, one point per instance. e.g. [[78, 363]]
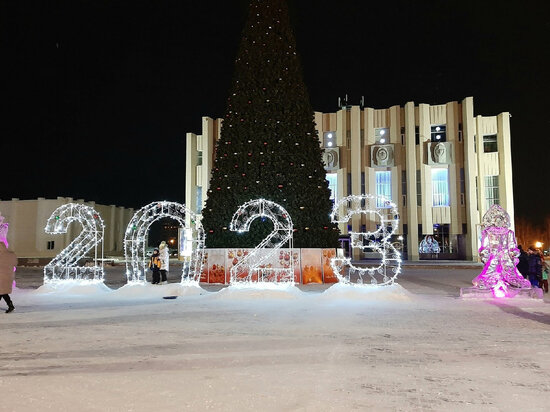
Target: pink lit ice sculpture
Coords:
[[4, 231], [499, 253]]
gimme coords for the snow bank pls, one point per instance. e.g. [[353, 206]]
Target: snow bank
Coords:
[[147, 290], [350, 292], [74, 288], [260, 291]]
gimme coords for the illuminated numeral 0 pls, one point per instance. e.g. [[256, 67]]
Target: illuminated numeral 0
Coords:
[[136, 235]]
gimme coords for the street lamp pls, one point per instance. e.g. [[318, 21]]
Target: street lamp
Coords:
[[538, 245]]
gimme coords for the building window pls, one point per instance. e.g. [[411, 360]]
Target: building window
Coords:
[[383, 186], [403, 136], [348, 138], [382, 135], [333, 186], [403, 182], [439, 133], [460, 132], [198, 205], [199, 159], [329, 139], [418, 188], [51, 244], [491, 191], [440, 187], [490, 143], [416, 135]]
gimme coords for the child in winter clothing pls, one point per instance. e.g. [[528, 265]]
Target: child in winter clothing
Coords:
[[154, 265], [545, 270]]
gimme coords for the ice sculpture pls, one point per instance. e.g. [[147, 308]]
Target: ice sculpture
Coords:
[[429, 245], [499, 253], [4, 231]]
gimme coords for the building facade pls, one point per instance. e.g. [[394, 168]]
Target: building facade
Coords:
[[27, 220], [441, 165]]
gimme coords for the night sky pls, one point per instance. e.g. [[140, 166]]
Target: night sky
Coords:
[[98, 95]]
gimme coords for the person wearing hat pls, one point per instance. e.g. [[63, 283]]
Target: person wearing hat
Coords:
[[154, 265], [165, 262], [8, 262]]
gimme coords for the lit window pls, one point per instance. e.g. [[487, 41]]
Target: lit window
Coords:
[[490, 143], [382, 135], [439, 133], [333, 185], [440, 187], [199, 200], [329, 139], [383, 187], [491, 191]]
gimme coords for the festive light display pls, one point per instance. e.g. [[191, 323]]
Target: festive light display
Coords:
[[64, 266], [500, 254], [378, 241], [136, 235], [250, 267], [4, 231]]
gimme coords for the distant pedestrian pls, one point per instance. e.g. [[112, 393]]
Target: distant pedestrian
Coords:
[[535, 267], [165, 262], [154, 265], [523, 264], [545, 271], [8, 262]]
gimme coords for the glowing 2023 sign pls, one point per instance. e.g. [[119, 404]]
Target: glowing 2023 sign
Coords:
[[377, 241], [65, 265], [136, 235], [251, 264]]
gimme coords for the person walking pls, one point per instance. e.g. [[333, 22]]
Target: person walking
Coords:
[[165, 262], [154, 265], [8, 262]]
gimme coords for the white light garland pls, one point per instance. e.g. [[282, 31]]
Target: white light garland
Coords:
[[136, 235], [64, 266], [282, 232], [377, 241]]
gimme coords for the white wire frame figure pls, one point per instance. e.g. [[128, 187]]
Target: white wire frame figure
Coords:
[[378, 241], [253, 265], [65, 266], [135, 240]]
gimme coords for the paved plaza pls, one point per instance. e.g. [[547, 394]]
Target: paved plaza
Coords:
[[415, 346]]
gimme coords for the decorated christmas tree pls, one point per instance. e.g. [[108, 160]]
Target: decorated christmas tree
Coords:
[[268, 146]]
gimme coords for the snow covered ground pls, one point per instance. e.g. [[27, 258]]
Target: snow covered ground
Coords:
[[414, 346]]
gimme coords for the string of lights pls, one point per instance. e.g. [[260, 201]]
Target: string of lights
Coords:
[[377, 241], [65, 266], [252, 264], [138, 229]]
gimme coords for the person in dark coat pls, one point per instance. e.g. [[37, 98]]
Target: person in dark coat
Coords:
[[523, 264], [535, 267], [8, 261], [154, 265]]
